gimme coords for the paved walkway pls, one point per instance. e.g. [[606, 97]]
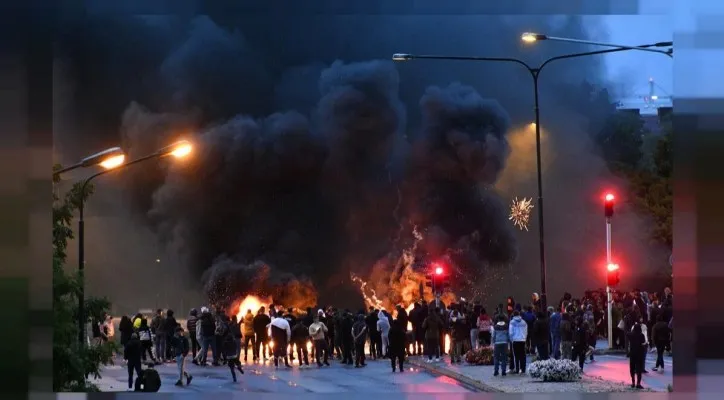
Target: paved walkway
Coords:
[[608, 373]]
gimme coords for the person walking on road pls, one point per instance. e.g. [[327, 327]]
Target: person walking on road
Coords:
[[347, 337], [132, 354], [518, 331], [180, 349], [231, 352], [500, 336], [208, 327], [661, 336], [144, 334], [580, 341]]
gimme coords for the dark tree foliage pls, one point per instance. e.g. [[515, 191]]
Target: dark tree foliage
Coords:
[[72, 364]]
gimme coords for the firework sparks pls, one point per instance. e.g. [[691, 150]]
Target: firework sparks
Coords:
[[520, 212]]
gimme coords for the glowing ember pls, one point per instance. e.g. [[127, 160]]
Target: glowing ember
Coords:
[[520, 212], [253, 303]]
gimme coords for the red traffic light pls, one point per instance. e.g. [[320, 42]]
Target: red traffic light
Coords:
[[609, 197], [438, 270], [612, 267]]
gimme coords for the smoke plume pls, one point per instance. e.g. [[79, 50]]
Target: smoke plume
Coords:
[[307, 168]]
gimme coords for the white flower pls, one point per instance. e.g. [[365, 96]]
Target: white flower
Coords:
[[555, 370]]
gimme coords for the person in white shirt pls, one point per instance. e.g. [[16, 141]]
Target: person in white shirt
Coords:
[[383, 327]]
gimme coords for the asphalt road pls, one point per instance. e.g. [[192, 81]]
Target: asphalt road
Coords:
[[377, 377]]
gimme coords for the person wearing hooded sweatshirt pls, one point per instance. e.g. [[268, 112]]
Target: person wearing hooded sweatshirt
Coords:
[[459, 334], [383, 328], [359, 336], [432, 326], [484, 324], [580, 341], [132, 353], [248, 333], [126, 329], [518, 331], [281, 334], [169, 327], [261, 320], [318, 332], [231, 353], [661, 336], [396, 346], [500, 337], [541, 335], [554, 322], [191, 328]]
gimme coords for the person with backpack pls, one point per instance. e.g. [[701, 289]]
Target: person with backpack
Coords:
[[132, 353], [180, 348]]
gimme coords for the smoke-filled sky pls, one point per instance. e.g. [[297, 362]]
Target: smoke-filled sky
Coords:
[[316, 156]]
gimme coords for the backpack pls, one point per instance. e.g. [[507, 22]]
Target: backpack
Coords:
[[149, 380]]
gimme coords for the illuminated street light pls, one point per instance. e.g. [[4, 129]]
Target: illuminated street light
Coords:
[[401, 57], [532, 37], [111, 160], [535, 37], [108, 159]]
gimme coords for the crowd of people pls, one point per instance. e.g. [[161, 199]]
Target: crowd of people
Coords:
[[514, 330]]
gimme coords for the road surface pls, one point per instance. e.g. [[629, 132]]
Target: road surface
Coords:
[[377, 377]]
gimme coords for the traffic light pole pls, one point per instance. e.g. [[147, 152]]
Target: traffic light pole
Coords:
[[608, 288]]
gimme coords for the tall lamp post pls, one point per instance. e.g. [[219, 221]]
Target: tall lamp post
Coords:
[[179, 149], [534, 73]]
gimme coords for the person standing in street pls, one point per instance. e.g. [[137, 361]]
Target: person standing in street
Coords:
[[191, 327], [637, 350], [359, 336], [261, 321], [500, 336], [554, 322], [566, 337], [383, 328], [249, 336], [432, 326], [518, 332], [157, 333], [318, 331], [541, 335], [396, 346], [144, 334], [281, 335], [300, 337]]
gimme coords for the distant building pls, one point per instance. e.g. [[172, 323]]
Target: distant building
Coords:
[[652, 108]]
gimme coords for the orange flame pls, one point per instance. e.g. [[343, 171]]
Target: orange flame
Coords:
[[253, 303]]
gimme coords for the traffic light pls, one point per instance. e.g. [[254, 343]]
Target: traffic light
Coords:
[[608, 205], [612, 277]]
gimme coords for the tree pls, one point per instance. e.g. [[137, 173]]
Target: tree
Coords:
[[72, 363], [624, 144]]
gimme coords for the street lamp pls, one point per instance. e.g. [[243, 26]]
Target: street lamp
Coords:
[[179, 149], [529, 37], [534, 73], [108, 159]]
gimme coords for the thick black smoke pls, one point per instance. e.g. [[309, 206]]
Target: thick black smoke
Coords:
[[304, 166]]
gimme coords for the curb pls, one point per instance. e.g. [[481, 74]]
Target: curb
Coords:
[[603, 352], [454, 375]]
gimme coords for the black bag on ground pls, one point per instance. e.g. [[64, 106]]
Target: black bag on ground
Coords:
[[149, 381]]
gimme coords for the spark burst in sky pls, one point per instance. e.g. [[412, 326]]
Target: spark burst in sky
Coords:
[[520, 212]]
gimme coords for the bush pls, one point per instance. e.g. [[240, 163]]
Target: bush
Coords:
[[555, 370], [481, 356]]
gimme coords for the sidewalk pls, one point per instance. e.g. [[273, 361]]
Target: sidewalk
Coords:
[[609, 373]]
